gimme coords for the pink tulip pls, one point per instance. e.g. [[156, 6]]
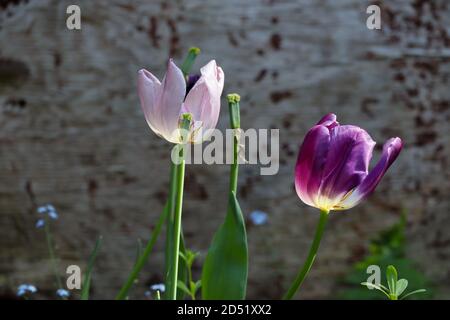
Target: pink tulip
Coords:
[[164, 103]]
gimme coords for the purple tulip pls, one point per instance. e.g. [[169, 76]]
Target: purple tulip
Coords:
[[332, 166], [164, 103]]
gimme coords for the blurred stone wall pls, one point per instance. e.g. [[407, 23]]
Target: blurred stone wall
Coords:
[[72, 132]]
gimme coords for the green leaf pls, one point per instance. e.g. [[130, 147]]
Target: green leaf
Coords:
[[190, 257], [182, 256], [225, 269], [402, 284], [197, 286], [191, 286], [182, 286], [391, 276], [87, 276], [374, 286], [413, 292], [384, 287]]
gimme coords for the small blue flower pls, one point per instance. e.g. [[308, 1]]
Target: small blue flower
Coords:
[[40, 223], [42, 209], [49, 210], [53, 215], [62, 293], [158, 287], [258, 217], [23, 289]]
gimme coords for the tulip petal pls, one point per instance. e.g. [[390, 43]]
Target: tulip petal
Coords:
[[310, 162], [347, 162], [148, 89], [203, 100], [391, 150], [171, 99], [328, 121]]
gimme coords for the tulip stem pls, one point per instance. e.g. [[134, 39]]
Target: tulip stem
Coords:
[[175, 253], [311, 256], [233, 105], [189, 61], [234, 167], [170, 225]]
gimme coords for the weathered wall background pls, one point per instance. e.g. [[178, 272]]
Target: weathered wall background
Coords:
[[72, 133]]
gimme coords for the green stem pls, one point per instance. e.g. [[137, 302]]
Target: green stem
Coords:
[[189, 61], [192, 293], [311, 256], [174, 224], [234, 167], [190, 281], [48, 237], [143, 257], [172, 290], [233, 105], [170, 225]]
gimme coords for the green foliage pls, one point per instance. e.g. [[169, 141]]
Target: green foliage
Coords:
[[388, 248], [90, 266], [225, 269], [142, 255], [188, 285], [395, 287], [392, 278], [402, 284]]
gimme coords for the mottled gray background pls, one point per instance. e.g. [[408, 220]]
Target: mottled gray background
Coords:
[[72, 132]]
